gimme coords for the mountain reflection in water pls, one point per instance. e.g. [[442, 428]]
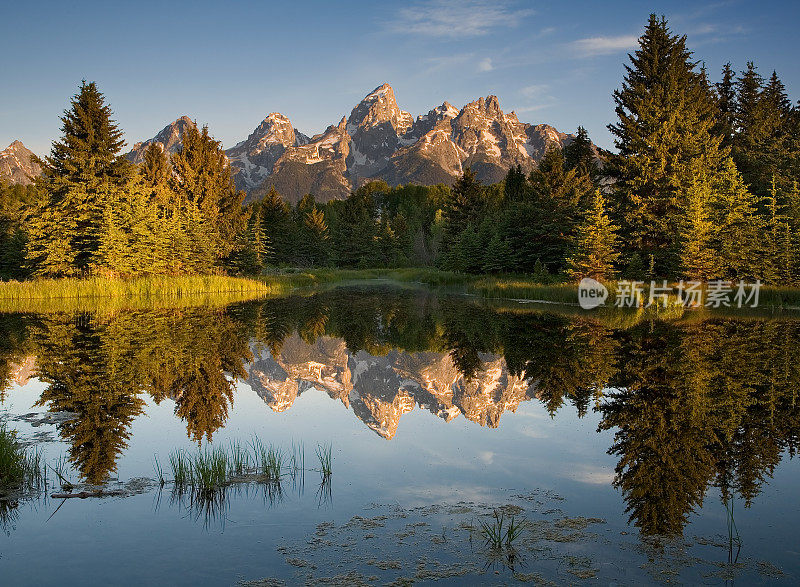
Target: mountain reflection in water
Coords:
[[691, 403]]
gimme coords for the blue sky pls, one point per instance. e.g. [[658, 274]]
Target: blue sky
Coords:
[[229, 64]]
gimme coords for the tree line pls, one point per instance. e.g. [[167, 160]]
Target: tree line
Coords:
[[703, 185]]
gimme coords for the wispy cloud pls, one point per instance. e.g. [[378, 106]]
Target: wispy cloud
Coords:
[[441, 62], [485, 64], [593, 46], [534, 91], [456, 18]]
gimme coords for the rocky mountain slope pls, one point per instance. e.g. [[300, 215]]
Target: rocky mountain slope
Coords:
[[170, 139], [17, 165], [380, 389], [378, 140]]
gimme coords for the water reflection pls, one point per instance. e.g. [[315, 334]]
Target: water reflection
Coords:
[[691, 404]]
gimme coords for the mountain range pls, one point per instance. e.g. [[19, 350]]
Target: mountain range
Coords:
[[378, 140], [380, 389]]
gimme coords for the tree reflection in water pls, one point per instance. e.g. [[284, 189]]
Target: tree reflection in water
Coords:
[[692, 403]]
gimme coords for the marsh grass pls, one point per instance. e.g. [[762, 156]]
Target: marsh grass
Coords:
[[181, 465], [48, 295], [268, 460], [21, 467], [501, 532], [159, 472], [325, 456], [61, 470], [210, 469], [238, 459]]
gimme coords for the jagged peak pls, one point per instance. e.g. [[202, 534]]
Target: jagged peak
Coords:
[[16, 145], [489, 105], [382, 90], [276, 116]]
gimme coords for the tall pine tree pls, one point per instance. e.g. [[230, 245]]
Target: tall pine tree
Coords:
[[667, 119], [81, 173]]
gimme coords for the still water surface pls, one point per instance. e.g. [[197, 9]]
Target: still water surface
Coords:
[[637, 450]]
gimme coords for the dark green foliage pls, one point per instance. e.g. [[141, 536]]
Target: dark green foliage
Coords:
[[83, 171], [14, 199], [667, 118], [579, 154]]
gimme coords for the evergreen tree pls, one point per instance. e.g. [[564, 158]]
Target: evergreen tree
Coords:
[[726, 102], [314, 237], [202, 175], [155, 169], [514, 186], [277, 226], [699, 260], [579, 154], [734, 212], [596, 249], [353, 229], [498, 256], [667, 119], [465, 205], [82, 171]]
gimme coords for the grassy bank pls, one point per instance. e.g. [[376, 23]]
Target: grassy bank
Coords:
[[47, 295]]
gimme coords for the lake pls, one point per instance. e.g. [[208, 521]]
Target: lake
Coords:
[[626, 449]]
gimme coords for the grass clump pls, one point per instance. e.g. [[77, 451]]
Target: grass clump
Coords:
[[325, 456], [268, 460], [500, 533], [20, 467], [238, 459], [181, 464]]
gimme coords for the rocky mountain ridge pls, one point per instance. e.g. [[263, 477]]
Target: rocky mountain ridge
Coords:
[[380, 389], [17, 164], [377, 140]]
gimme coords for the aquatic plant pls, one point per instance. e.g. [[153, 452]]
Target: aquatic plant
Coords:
[[269, 460], [324, 454], [297, 462], [181, 466], [20, 467], [159, 472], [238, 458], [501, 532], [209, 469]]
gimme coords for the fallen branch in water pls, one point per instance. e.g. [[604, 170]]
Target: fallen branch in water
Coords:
[[85, 494]]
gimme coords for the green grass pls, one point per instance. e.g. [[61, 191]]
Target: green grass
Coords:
[[268, 460], [181, 464], [325, 457], [210, 469], [238, 458], [501, 532], [48, 295], [297, 462], [20, 467], [45, 295]]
